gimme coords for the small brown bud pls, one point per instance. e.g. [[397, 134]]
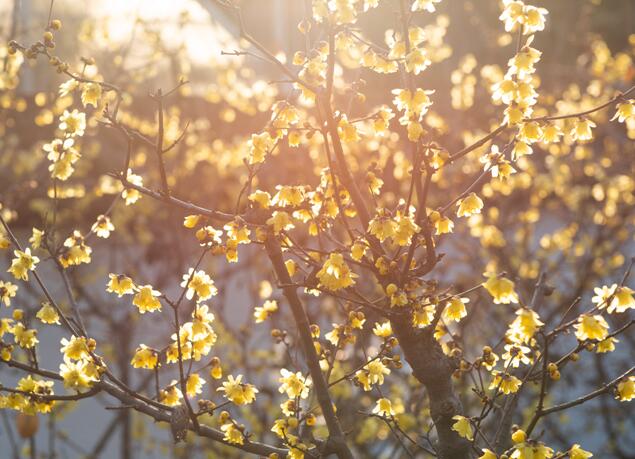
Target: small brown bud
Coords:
[[456, 352]]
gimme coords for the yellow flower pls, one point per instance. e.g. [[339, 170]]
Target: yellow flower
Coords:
[[358, 249], [62, 156], [191, 221], [295, 138], [414, 105], [505, 90], [263, 312], [383, 330], [488, 454], [501, 289], [424, 5], [77, 251], [372, 373], [77, 348], [513, 115], [383, 407], [280, 221], [398, 297], [422, 316], [259, 146], [530, 17], [405, 228], [68, 86], [417, 61], [534, 19], [551, 133], [469, 205], [622, 301], [382, 226], [24, 337], [294, 384], [519, 436], [145, 357], [91, 93], [132, 195], [171, 395], [209, 236], [530, 132], [5, 355], [75, 375], [4, 241], [194, 385], [505, 382], [626, 389], [381, 123], [6, 326], [463, 427], [232, 434], [606, 345], [512, 14], [455, 308], [347, 131], [73, 123], [216, 371], [621, 298], [22, 264], [335, 273], [516, 354], [120, 284], [442, 224], [36, 238], [288, 196], [625, 111], [582, 129], [47, 314], [578, 453], [522, 64], [525, 325], [262, 198], [532, 451], [7, 291], [591, 327], [147, 300], [103, 227], [603, 295], [374, 183], [238, 392], [200, 283], [33, 386]]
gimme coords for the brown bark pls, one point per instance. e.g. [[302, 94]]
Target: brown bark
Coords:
[[434, 369]]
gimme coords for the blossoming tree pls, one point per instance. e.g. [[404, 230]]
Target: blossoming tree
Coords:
[[357, 232]]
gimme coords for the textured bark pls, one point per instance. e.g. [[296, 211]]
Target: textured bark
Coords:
[[434, 369]]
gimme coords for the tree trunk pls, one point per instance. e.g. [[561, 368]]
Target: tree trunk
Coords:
[[434, 369]]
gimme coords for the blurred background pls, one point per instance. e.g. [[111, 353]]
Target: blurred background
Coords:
[[573, 219]]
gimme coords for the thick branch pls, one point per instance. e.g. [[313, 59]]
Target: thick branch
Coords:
[[434, 369]]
